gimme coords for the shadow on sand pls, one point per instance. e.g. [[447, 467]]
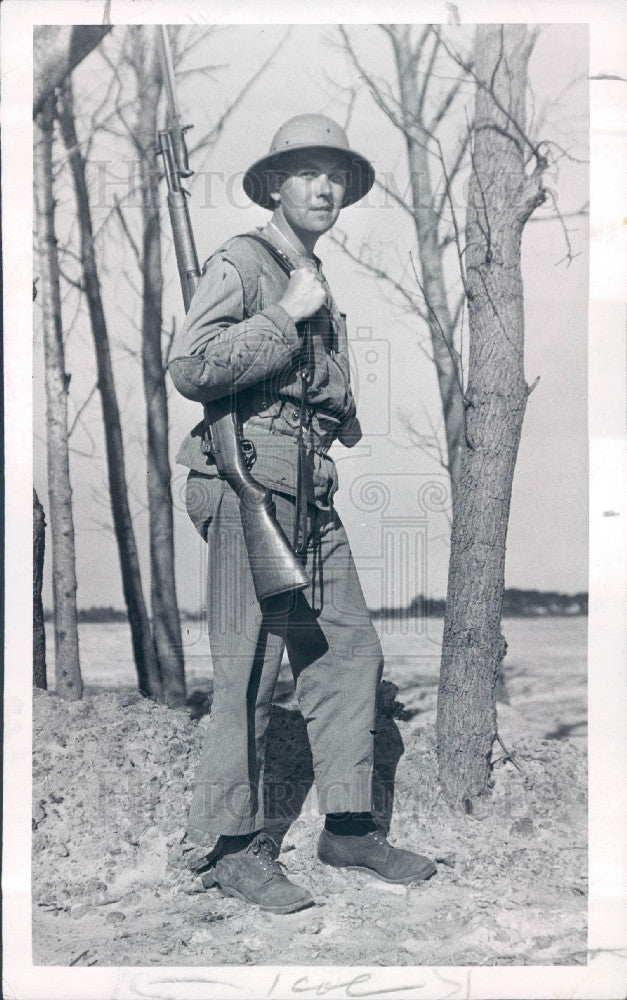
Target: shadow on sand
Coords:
[[289, 774]]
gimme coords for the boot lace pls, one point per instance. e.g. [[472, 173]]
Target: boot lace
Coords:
[[264, 848], [378, 837]]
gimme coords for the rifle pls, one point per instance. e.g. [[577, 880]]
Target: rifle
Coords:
[[275, 567]]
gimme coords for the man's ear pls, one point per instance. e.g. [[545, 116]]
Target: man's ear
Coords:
[[275, 179]]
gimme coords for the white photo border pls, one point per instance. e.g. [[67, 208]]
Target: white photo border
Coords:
[[605, 976]]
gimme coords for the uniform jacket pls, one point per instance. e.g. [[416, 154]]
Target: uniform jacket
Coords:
[[237, 338]]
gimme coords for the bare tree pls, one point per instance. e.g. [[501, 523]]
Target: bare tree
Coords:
[[432, 84], [67, 665], [39, 631], [139, 55], [417, 108], [502, 195], [143, 646], [165, 613]]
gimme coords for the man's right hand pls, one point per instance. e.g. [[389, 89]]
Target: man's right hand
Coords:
[[304, 295]]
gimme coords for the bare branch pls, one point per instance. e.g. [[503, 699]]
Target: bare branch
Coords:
[[375, 91], [467, 66], [427, 78], [81, 409], [390, 31], [169, 342], [564, 153], [579, 213], [80, 453], [458, 311], [399, 116], [395, 197], [429, 444], [351, 107], [456, 361], [128, 194], [212, 136], [415, 55], [447, 189], [377, 272], [446, 103], [114, 81], [127, 232], [181, 53], [454, 170], [71, 281]]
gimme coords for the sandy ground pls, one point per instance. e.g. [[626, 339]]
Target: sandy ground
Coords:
[[113, 777]]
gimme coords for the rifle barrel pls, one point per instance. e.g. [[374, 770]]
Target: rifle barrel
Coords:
[[167, 67], [275, 567]]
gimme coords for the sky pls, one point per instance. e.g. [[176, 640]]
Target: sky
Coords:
[[392, 495]]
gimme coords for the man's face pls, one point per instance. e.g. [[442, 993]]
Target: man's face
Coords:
[[312, 192]]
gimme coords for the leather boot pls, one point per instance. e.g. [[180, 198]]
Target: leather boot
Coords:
[[253, 874], [371, 852]]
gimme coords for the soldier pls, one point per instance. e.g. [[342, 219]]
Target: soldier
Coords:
[[261, 296]]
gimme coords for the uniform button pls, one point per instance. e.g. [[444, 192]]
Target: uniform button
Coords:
[[295, 414], [265, 403]]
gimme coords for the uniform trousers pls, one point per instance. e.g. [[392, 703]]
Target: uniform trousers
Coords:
[[334, 653]]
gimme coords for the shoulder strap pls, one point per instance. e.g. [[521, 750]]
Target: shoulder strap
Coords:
[[239, 252], [280, 258]]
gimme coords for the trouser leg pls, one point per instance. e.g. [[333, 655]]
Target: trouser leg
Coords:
[[246, 651], [337, 661]]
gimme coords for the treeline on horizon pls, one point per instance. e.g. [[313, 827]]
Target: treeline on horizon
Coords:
[[516, 603]]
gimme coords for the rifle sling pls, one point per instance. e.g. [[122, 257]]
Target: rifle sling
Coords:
[[300, 521]]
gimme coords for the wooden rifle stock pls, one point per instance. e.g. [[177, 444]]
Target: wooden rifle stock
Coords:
[[275, 567], [273, 564]]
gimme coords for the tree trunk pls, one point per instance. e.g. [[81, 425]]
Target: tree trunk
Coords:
[[143, 647], [39, 633], [430, 253], [69, 684], [500, 200], [57, 49], [166, 624]]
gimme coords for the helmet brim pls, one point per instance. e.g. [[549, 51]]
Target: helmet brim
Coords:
[[360, 174]]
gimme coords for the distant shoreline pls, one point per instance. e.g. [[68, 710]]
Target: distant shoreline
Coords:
[[516, 604]]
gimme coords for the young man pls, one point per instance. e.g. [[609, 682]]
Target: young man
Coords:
[[261, 307]]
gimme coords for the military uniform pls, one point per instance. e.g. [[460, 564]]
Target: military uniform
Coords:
[[237, 337]]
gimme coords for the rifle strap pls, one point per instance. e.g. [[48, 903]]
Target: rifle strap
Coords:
[[248, 448], [281, 259], [305, 372]]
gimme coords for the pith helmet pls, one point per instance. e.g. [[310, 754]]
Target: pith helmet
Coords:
[[309, 132]]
